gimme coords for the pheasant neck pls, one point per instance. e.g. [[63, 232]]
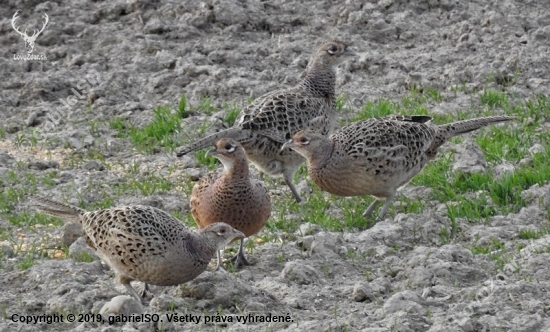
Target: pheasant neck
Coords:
[[322, 155], [236, 169], [202, 247], [320, 81]]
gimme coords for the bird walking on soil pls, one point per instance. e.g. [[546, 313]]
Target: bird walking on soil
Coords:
[[377, 156], [143, 243], [266, 124], [231, 195]]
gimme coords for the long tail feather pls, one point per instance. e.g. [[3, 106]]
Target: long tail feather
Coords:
[[65, 212], [461, 127], [444, 132], [235, 133]]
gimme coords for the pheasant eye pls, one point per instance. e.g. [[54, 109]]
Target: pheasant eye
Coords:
[[332, 50], [304, 140], [230, 148]]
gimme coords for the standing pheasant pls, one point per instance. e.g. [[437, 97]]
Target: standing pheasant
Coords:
[[377, 156], [266, 124], [144, 243], [231, 195]]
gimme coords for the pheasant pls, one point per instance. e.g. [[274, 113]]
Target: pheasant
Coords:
[[144, 243], [266, 124], [377, 156], [231, 196]]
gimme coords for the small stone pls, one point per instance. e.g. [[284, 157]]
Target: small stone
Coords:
[[300, 273], [79, 251], [528, 161], [362, 292], [156, 26], [537, 148], [32, 119], [256, 307], [464, 37], [6, 250], [194, 174], [93, 165], [469, 158], [13, 127], [6, 159], [406, 301], [43, 165], [503, 169], [308, 229], [303, 188], [162, 302], [121, 305], [71, 232]]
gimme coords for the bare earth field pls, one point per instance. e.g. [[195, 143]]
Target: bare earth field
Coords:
[[465, 247]]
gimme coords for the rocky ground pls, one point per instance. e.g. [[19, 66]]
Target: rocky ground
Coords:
[[122, 59]]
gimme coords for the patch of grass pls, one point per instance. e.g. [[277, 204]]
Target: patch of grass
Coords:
[[232, 115], [208, 161], [433, 94], [97, 127], [495, 245], [161, 132], [341, 101], [83, 257], [185, 218], [544, 250], [501, 195], [29, 219], [537, 108], [506, 143], [501, 143], [151, 185], [493, 98], [182, 107], [107, 201], [408, 205], [205, 106], [282, 216], [377, 109], [15, 187], [49, 177], [26, 263], [344, 105], [533, 234]]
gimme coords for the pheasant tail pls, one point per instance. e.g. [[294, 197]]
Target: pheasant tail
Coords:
[[65, 212], [444, 132], [235, 133], [461, 127]]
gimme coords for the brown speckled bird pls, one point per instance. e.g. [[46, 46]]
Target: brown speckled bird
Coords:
[[144, 243], [266, 124], [377, 156], [231, 195]]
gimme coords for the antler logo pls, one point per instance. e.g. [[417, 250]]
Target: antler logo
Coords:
[[29, 40]]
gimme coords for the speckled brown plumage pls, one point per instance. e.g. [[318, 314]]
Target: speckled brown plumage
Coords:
[[266, 124], [144, 243], [377, 156], [231, 195]]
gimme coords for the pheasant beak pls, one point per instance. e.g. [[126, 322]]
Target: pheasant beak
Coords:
[[213, 152], [288, 145], [238, 234], [350, 52]]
